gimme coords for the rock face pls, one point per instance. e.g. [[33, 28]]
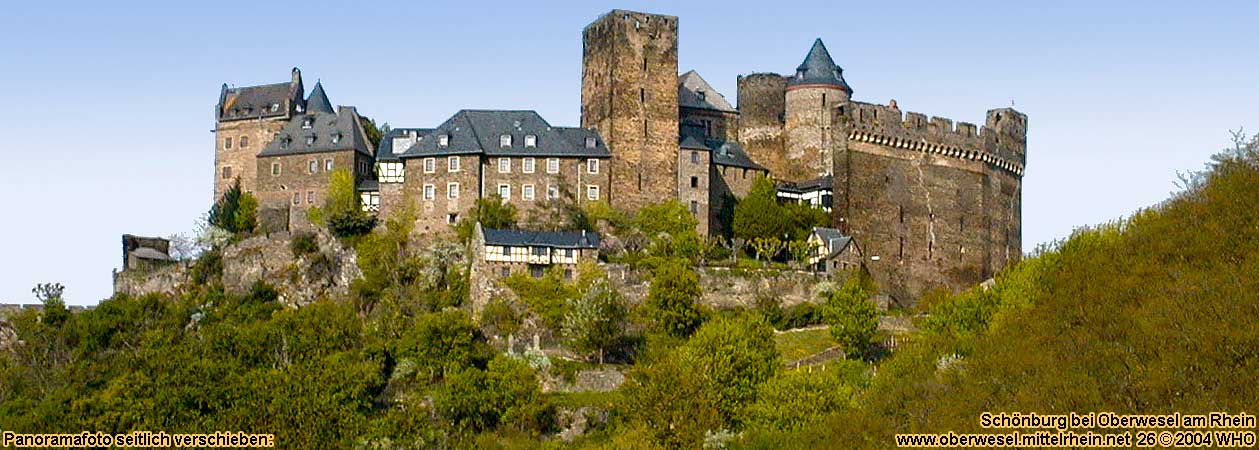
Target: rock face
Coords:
[[8, 337], [592, 380], [300, 279]]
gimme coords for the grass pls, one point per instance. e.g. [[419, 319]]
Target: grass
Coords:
[[580, 399], [794, 345]]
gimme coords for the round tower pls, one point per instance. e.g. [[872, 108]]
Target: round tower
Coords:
[[815, 90]]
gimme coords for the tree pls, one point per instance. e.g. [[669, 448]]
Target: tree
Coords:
[[342, 213], [758, 215], [802, 398], [766, 247], [50, 295], [236, 211], [506, 394], [852, 317], [491, 212], [671, 299], [373, 133], [595, 321], [443, 341], [802, 218], [735, 355], [561, 213]]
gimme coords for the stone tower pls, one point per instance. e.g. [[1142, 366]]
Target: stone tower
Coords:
[[246, 120], [814, 91], [629, 94]]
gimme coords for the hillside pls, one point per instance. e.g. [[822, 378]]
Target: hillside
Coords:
[[1155, 313]]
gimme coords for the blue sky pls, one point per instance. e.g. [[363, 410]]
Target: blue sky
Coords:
[[108, 106]]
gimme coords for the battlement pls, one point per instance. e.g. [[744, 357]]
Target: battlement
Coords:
[[1001, 142], [639, 21]]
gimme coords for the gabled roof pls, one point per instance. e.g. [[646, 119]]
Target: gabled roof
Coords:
[[399, 140], [819, 68], [318, 101], [477, 131], [724, 153], [835, 241], [558, 239], [695, 92], [330, 133], [267, 100]]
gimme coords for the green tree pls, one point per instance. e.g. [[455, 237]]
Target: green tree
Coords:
[[443, 341], [758, 215], [236, 211], [506, 394], [671, 299], [804, 397], [852, 316], [595, 321], [562, 213], [491, 212], [374, 133], [341, 212], [802, 218]]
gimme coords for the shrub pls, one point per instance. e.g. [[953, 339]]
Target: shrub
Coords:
[[671, 299], [304, 244], [236, 211]]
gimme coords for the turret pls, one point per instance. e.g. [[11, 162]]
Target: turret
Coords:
[[815, 90]]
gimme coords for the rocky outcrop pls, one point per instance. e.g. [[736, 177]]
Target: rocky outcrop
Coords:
[[300, 278], [591, 380], [8, 336], [726, 288]]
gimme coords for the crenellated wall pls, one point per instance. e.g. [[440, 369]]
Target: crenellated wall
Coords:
[[936, 204]]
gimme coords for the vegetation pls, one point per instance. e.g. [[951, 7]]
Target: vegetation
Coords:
[[491, 212], [1149, 314], [235, 212], [342, 213]]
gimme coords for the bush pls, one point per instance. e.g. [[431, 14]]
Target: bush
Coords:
[[853, 317], [236, 211], [671, 299], [304, 244], [491, 212], [504, 395], [341, 212]]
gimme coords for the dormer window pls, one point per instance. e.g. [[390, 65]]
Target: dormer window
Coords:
[[504, 140], [443, 140], [310, 140], [336, 138], [300, 108], [307, 123], [702, 95], [275, 107], [590, 142], [531, 141]]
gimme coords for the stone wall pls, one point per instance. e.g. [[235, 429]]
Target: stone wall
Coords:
[[240, 161], [934, 206], [693, 187], [287, 181], [806, 131], [761, 113], [726, 288], [629, 93]]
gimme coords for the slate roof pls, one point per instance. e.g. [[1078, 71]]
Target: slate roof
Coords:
[[477, 131], [558, 239], [389, 149], [318, 101], [694, 92], [331, 133], [825, 182], [835, 241], [262, 101], [819, 68], [725, 153]]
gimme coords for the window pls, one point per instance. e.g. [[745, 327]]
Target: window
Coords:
[[694, 207], [244, 141], [592, 165], [745, 174], [227, 143], [504, 140], [553, 165], [505, 272], [275, 168], [452, 190], [539, 251], [227, 172], [592, 192], [694, 182], [336, 138], [694, 157], [310, 197], [313, 166], [392, 172], [307, 123], [297, 198], [452, 218], [536, 271], [310, 140], [430, 165], [590, 142], [527, 165], [327, 165], [504, 165], [568, 274], [531, 141], [702, 95], [526, 192], [275, 107], [452, 164], [504, 191], [568, 253], [443, 140], [429, 192], [552, 192]]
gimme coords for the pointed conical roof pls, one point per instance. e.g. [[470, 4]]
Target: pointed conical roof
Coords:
[[318, 101], [819, 68]]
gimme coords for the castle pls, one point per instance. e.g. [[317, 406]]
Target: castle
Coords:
[[932, 203]]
